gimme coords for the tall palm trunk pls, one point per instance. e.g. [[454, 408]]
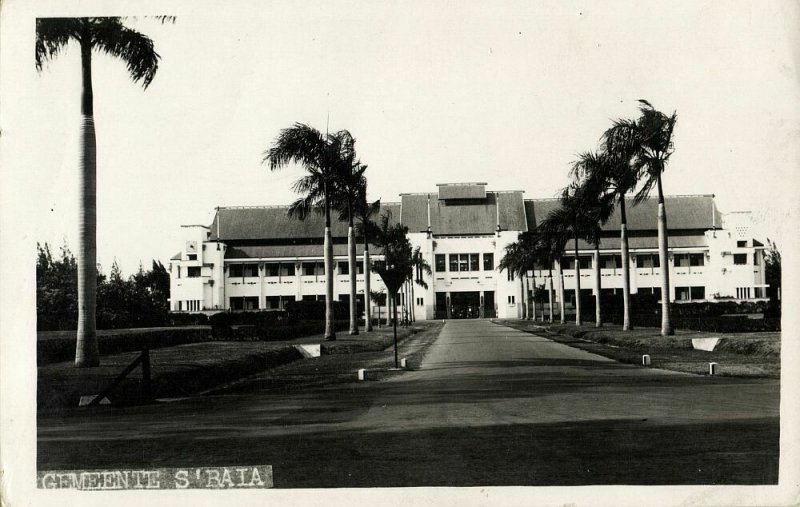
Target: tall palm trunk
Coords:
[[524, 298], [550, 293], [86, 353], [578, 321], [666, 324], [351, 267], [330, 333], [598, 318], [413, 304], [367, 300], [528, 300], [626, 267], [561, 316]]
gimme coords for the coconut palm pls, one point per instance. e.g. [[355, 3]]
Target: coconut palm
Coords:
[[651, 136], [322, 156], [554, 241], [596, 207], [110, 36], [348, 182], [519, 258]]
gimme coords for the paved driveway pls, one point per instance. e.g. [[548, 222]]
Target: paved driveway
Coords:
[[489, 405]]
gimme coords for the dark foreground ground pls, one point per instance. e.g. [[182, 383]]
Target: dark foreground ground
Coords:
[[489, 405]]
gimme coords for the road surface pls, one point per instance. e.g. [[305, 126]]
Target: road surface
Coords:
[[489, 405]]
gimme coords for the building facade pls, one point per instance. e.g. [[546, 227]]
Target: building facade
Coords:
[[258, 258]]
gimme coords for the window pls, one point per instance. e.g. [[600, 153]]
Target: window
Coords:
[[273, 302], [309, 297], [191, 257], [344, 268], [488, 262], [309, 268], [420, 302], [273, 269], [244, 303], [287, 270], [697, 259], [511, 300], [441, 263], [235, 271], [463, 262], [179, 271], [473, 262], [453, 262], [180, 306], [698, 292], [569, 262], [681, 260], [682, 293], [647, 261], [193, 271], [251, 271], [610, 261], [360, 267], [756, 262], [741, 244], [740, 259]]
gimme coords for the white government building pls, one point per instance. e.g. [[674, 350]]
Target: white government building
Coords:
[[257, 258]]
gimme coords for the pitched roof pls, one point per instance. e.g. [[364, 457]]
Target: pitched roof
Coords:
[[454, 217], [272, 222], [683, 212]]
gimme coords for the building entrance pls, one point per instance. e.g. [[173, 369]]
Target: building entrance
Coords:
[[465, 305]]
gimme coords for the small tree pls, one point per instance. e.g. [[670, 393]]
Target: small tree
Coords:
[[396, 267]]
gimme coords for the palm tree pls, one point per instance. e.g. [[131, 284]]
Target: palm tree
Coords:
[[108, 35], [364, 210], [553, 242], [322, 156], [349, 180], [596, 208], [395, 268], [519, 258], [573, 217], [618, 176], [651, 135], [421, 269]]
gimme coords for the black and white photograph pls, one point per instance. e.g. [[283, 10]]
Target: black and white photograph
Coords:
[[399, 253]]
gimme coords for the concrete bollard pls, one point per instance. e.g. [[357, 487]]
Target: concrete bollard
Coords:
[[646, 360], [712, 368], [362, 374], [403, 363]]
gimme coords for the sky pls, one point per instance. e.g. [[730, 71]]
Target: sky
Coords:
[[434, 92]]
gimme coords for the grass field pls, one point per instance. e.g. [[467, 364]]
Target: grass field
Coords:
[[737, 354]]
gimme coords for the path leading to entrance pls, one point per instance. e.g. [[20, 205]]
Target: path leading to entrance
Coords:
[[489, 406]]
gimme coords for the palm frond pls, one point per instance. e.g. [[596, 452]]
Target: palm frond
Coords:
[[110, 36], [301, 144], [52, 36]]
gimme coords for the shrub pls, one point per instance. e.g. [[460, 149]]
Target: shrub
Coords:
[[188, 319]]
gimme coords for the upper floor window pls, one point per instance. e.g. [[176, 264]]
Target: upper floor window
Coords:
[[441, 263], [740, 259], [453, 262], [741, 244], [473, 262], [193, 271], [610, 261], [488, 262], [647, 261], [344, 268], [569, 262], [191, 257], [697, 259], [273, 269]]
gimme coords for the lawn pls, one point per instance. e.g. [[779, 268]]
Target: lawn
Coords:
[[737, 354]]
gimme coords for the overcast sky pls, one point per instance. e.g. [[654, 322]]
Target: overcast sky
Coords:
[[502, 92]]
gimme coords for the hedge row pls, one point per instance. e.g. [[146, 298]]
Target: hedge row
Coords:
[[277, 331], [52, 350], [711, 324]]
